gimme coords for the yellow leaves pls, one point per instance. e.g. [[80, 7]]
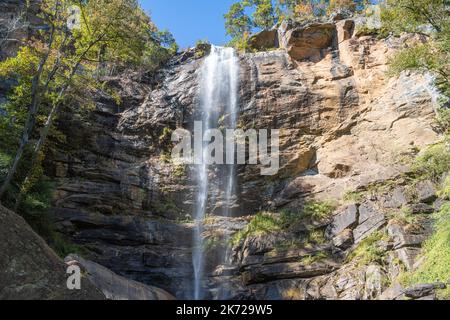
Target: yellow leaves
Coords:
[[303, 9]]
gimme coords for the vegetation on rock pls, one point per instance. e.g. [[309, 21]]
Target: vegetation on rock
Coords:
[[60, 66]]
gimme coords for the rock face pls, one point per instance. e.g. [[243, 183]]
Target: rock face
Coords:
[[344, 124], [115, 287], [30, 270]]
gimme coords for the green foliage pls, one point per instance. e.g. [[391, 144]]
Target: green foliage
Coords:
[[443, 118], [63, 247], [201, 48], [368, 251], [165, 136], [433, 162], [265, 222], [426, 17], [179, 171], [261, 223], [405, 217], [435, 255], [412, 15], [247, 16], [237, 22], [353, 196], [444, 192]]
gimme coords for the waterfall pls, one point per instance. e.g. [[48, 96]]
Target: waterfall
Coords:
[[218, 94]]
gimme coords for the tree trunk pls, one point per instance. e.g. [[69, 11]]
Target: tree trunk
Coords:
[[31, 118]]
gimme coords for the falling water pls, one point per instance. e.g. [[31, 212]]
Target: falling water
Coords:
[[218, 100]]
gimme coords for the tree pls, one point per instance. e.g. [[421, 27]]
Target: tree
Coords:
[[237, 22], [264, 16], [114, 32], [431, 19]]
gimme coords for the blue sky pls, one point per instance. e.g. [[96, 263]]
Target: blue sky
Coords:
[[190, 20]]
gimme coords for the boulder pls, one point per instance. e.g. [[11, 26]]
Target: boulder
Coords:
[[308, 42], [277, 271], [263, 40], [401, 238], [408, 256], [395, 200], [30, 270], [116, 287], [374, 282]]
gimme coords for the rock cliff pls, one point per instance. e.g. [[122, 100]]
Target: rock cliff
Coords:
[[345, 126]]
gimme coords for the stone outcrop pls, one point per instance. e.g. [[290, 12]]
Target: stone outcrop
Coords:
[[344, 125], [30, 270]]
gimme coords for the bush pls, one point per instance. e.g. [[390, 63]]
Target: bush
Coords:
[[433, 162], [312, 210], [260, 224]]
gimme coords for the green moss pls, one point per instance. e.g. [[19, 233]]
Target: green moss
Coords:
[[433, 162], [311, 210], [368, 251], [212, 243], [165, 136], [165, 207], [435, 255], [260, 224], [266, 222], [313, 258], [405, 217], [63, 247], [444, 192], [353, 196]]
